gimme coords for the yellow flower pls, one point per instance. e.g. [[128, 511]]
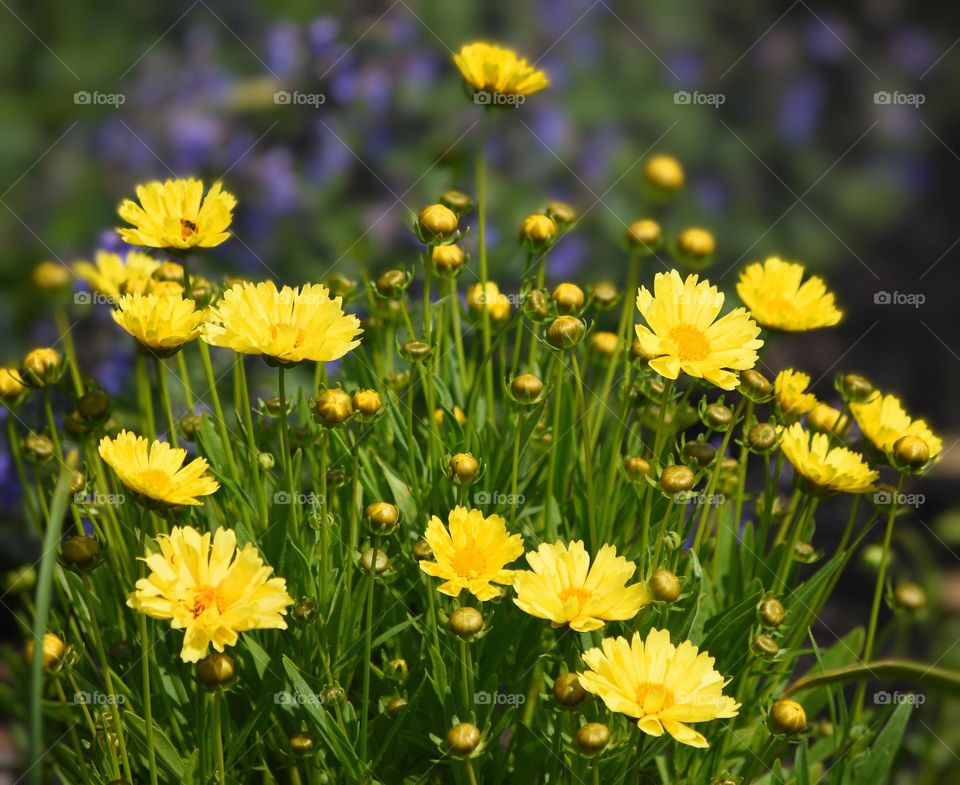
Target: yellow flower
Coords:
[[883, 421], [660, 685], [790, 391], [497, 304], [286, 326], [472, 554], [685, 335], [776, 298], [156, 472], [564, 588], [493, 69], [211, 590], [832, 469], [110, 273], [175, 214], [160, 323], [11, 385]]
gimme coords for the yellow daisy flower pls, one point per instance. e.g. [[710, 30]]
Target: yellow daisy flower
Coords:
[[565, 589], [830, 469], [684, 333], [286, 326], [156, 472], [777, 299], [175, 214], [497, 304], [494, 69], [472, 554], [110, 273], [883, 421], [160, 323], [212, 590], [660, 685], [790, 392]]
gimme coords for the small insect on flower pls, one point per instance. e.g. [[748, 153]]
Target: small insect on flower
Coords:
[[176, 214], [494, 69], [155, 472], [286, 326], [684, 334], [661, 686], [207, 586], [828, 469], [563, 588], [777, 299], [161, 324], [472, 554], [883, 421]]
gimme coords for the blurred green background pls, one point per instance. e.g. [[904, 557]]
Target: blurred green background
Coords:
[[824, 133]]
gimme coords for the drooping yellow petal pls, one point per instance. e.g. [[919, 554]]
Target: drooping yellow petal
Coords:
[[778, 299]]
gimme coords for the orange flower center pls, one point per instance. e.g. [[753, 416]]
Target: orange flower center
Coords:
[[187, 228], [692, 344], [286, 334], [652, 697], [155, 479], [468, 563], [205, 597], [577, 594]]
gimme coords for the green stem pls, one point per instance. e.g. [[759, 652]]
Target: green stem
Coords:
[[66, 338], [481, 186], [144, 399], [285, 442], [247, 416], [221, 422], [587, 454], [514, 472], [715, 475], [165, 402], [145, 660], [458, 332], [549, 525], [217, 719], [367, 650]]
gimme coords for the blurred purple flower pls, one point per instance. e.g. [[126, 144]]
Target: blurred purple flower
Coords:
[[284, 48], [800, 109]]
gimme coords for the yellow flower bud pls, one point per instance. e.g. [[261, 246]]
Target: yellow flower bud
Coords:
[[415, 350], [910, 596], [645, 233], [762, 437], [38, 447], [41, 367], [457, 201], [463, 468], [463, 739], [383, 516], [568, 297], [787, 717], [856, 388], [374, 560], [422, 550], [636, 467], [765, 646], [526, 387], [754, 384], [466, 622], [696, 245], [538, 230], [53, 649], [367, 402], [437, 221], [447, 259], [51, 276], [664, 585], [216, 670], [80, 552], [605, 295], [664, 172], [823, 418], [11, 385], [592, 738], [567, 690], [565, 332], [395, 705], [489, 299], [911, 451], [771, 612], [677, 479], [561, 213], [701, 453], [392, 283], [302, 744], [333, 407]]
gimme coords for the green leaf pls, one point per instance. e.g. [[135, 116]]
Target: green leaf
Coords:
[[877, 767], [900, 670], [166, 753], [401, 493]]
